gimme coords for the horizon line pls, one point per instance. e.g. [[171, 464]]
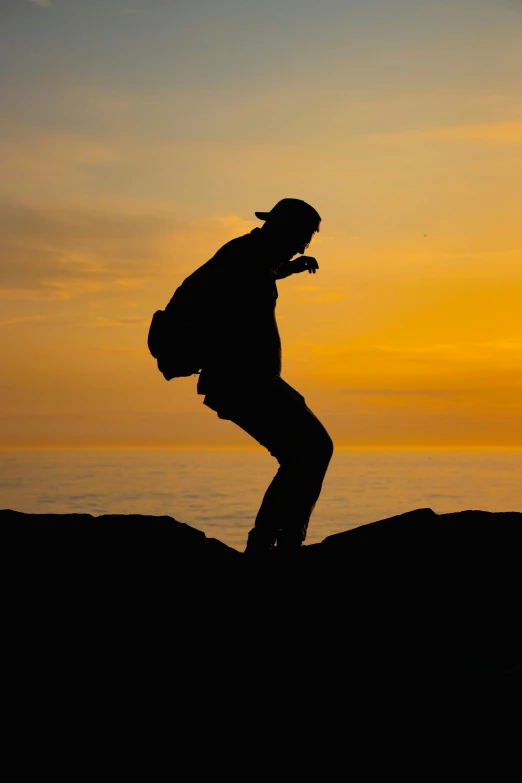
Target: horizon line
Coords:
[[202, 447]]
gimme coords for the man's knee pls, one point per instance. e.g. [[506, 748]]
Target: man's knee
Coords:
[[314, 452], [328, 446], [325, 448]]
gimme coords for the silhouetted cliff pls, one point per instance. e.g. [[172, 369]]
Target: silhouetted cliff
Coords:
[[415, 593]]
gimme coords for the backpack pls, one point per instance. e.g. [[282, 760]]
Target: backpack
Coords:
[[175, 337]]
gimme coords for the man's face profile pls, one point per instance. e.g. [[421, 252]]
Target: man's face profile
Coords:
[[292, 239], [299, 239]]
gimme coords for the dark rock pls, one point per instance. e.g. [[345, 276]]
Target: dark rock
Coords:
[[184, 540], [413, 594]]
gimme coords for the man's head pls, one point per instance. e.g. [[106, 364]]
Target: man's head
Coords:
[[290, 225]]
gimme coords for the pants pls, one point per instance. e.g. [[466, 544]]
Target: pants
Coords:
[[277, 416]]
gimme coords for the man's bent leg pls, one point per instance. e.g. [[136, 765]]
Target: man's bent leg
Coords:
[[301, 478], [289, 430]]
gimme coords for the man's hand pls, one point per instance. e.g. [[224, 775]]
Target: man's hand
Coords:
[[297, 265], [302, 263]]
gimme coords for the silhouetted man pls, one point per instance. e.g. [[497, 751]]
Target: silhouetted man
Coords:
[[241, 374]]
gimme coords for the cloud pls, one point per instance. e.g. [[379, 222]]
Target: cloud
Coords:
[[234, 223], [403, 392], [48, 163], [51, 254], [315, 295], [22, 319], [509, 132], [117, 348], [453, 351], [42, 3], [328, 298], [54, 253], [102, 321], [502, 345]]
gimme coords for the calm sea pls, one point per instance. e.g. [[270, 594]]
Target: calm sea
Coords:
[[219, 491]]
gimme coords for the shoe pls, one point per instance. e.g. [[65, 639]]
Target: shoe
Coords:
[[258, 548], [290, 542]]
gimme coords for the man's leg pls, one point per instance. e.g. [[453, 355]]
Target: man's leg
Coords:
[[280, 420]]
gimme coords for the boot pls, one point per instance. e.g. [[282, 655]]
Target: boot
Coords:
[[258, 546]]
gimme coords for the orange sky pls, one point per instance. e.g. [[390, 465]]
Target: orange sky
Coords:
[[123, 174]]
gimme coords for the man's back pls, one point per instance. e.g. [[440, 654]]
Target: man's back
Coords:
[[241, 336]]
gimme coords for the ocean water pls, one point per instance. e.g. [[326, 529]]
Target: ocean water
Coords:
[[219, 491]]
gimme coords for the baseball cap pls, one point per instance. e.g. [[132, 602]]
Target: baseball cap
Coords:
[[292, 210]]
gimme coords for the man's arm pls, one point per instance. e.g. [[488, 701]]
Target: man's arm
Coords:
[[295, 266]]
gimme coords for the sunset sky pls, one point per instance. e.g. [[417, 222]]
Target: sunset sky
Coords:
[[138, 136]]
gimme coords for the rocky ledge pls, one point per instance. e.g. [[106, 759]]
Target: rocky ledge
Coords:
[[418, 592]]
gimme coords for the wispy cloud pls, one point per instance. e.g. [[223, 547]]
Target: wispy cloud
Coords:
[[509, 132], [313, 293], [36, 153], [402, 392], [116, 349], [234, 223], [22, 319], [42, 3], [103, 321], [54, 254]]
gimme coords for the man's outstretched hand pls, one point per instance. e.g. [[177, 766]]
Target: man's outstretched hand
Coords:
[[300, 264]]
